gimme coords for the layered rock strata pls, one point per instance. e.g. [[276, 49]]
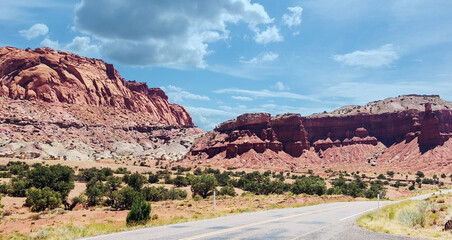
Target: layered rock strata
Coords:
[[57, 105], [296, 136], [53, 76]]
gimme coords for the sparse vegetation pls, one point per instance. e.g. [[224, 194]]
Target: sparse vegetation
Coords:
[[424, 219], [140, 212]]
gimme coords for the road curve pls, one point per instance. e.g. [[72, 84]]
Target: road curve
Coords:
[[325, 221]]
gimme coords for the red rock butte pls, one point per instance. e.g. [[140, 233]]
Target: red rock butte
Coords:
[[364, 134], [53, 76]]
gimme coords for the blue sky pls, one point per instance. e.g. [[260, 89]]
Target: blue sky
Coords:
[[223, 58]]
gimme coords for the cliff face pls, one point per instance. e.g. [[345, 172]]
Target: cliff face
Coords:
[[59, 105], [338, 137], [257, 131], [53, 76]]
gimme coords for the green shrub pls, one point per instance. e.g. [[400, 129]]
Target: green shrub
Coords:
[[390, 174], [420, 174], [17, 168], [58, 178], [113, 183], [18, 187], [40, 200], [95, 191], [140, 212], [204, 185], [381, 176], [153, 178], [122, 170], [180, 181], [310, 185], [177, 194], [227, 190], [136, 181], [124, 198]]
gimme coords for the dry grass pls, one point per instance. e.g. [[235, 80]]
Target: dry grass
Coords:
[[423, 219], [183, 211]]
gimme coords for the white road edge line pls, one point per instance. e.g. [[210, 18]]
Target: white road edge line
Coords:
[[357, 214]]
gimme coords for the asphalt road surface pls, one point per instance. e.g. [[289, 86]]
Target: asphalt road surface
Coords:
[[325, 221]]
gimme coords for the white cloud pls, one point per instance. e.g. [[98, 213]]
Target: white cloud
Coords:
[[263, 57], [47, 42], [178, 95], [266, 94], [280, 86], [242, 98], [271, 34], [379, 57], [83, 45], [34, 31], [294, 18], [79, 45], [163, 33], [361, 93], [207, 118]]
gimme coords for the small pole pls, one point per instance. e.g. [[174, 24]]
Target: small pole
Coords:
[[378, 197], [214, 203]]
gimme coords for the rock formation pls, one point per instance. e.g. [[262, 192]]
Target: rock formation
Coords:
[[53, 76], [430, 136], [259, 132], [58, 105], [342, 136]]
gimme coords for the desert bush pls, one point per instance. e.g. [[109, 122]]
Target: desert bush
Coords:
[[122, 170], [374, 190], [136, 181], [113, 183], [17, 168], [227, 190], [155, 194], [41, 199], [58, 178], [124, 198], [18, 187], [398, 184], [95, 191], [153, 178], [429, 181], [390, 174], [416, 215], [420, 174], [310, 185], [177, 194], [180, 181], [140, 212], [5, 175], [80, 199], [204, 185], [381, 176]]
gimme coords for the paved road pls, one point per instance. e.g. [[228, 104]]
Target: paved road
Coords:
[[325, 221]]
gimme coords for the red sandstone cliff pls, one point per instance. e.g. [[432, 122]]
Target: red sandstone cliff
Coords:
[[342, 136], [53, 76], [57, 105]]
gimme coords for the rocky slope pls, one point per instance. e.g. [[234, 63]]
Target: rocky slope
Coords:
[[347, 135], [56, 104]]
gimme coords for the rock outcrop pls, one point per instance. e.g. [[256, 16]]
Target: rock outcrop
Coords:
[[53, 76], [339, 137], [57, 105], [257, 131]]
